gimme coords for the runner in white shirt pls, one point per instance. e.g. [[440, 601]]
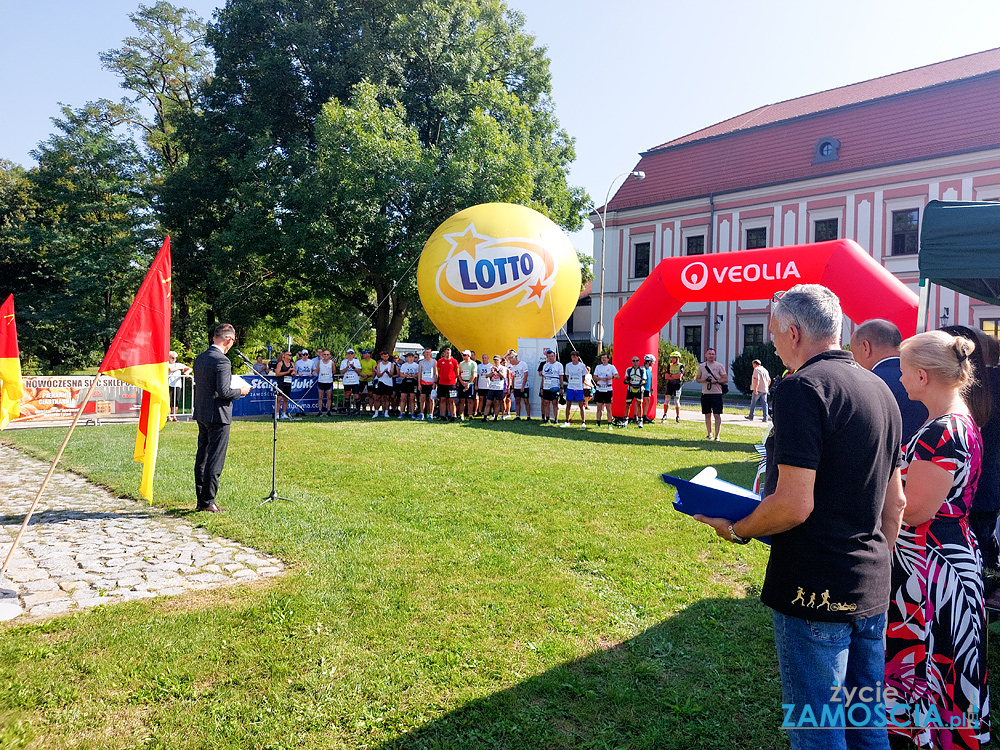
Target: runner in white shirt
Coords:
[[350, 369], [428, 377], [483, 370], [324, 382], [604, 374], [497, 378], [385, 371], [409, 371], [519, 386], [552, 382], [575, 373]]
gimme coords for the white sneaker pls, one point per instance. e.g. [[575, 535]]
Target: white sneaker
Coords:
[[566, 424], [375, 415]]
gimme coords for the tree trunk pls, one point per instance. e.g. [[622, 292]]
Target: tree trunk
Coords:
[[385, 336]]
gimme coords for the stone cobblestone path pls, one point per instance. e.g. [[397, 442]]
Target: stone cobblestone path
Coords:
[[85, 547]]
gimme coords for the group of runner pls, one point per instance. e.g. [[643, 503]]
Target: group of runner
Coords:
[[424, 388]]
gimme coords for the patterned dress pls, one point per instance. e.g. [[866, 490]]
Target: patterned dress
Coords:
[[935, 647]]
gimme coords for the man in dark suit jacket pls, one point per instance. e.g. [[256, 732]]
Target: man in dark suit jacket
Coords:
[[875, 346], [213, 410]]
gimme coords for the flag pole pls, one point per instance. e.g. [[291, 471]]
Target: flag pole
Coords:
[[45, 481]]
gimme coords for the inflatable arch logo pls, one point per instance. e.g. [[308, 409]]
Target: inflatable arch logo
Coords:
[[495, 272], [866, 290]]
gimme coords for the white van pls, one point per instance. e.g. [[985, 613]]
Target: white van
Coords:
[[404, 348]]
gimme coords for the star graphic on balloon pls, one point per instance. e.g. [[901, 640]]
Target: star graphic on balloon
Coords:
[[467, 241], [537, 290]]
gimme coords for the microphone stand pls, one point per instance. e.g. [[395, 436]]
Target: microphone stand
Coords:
[[274, 427]]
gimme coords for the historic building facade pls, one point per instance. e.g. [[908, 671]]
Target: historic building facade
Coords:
[[858, 162]]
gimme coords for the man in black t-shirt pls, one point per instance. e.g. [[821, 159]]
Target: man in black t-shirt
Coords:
[[833, 505]]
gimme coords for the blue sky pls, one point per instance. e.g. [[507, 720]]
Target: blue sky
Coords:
[[627, 75]]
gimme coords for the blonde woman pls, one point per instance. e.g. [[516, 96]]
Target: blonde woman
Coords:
[[175, 382], [935, 647]]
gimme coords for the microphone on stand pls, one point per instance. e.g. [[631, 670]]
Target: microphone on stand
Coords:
[[244, 357]]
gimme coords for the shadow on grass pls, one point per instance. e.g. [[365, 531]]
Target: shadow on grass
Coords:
[[705, 678], [630, 435]]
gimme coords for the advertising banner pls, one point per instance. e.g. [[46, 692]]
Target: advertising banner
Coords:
[[260, 400], [56, 398]]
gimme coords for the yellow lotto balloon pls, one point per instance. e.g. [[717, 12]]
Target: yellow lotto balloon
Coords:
[[497, 271]]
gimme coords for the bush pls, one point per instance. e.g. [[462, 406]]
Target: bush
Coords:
[[587, 349], [741, 369]]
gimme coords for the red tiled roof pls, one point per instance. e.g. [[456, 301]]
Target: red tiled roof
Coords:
[[866, 91], [587, 289], [890, 120]]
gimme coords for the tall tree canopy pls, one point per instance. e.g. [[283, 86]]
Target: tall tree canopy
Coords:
[[336, 135]]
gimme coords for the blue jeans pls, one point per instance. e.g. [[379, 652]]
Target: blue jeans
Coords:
[[814, 657], [762, 397]]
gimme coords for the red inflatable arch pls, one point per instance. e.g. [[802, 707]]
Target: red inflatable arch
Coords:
[[865, 288]]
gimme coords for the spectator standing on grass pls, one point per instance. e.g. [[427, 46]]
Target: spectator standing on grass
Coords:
[[712, 376], [175, 381], [875, 346], [935, 656], [635, 383], [576, 371], [760, 384], [324, 382], [519, 386], [350, 372], [551, 371], [284, 371], [675, 379], [588, 388], [260, 366], [604, 375], [832, 506]]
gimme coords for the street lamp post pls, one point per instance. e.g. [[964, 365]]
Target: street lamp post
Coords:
[[604, 233]]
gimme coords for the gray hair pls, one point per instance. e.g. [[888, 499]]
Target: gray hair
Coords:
[[811, 307]]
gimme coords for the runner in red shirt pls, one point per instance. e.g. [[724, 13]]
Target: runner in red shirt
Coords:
[[447, 384]]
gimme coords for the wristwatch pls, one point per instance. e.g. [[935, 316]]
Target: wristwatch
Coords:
[[736, 538]]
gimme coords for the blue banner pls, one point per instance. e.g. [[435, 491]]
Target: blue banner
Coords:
[[260, 400]]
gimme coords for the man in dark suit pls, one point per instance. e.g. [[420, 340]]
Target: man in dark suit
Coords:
[[213, 410], [875, 346]]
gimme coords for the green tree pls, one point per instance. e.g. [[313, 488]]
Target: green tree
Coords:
[[327, 161], [162, 67], [92, 228], [741, 370]]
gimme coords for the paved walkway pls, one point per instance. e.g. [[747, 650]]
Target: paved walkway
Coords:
[[85, 547]]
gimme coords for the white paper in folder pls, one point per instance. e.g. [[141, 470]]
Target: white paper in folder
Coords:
[[709, 477]]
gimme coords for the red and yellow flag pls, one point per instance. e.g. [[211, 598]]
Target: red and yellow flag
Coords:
[[10, 365], [139, 355]]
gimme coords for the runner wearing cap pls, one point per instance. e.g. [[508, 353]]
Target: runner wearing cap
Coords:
[[467, 371], [635, 382], [350, 371], [649, 362], [519, 386], [367, 379], [324, 382], [409, 372], [497, 378], [385, 371], [428, 376], [575, 373], [675, 379]]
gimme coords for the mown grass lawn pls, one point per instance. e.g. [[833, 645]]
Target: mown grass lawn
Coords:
[[451, 586]]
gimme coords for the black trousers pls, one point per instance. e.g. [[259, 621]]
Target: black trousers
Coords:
[[213, 441]]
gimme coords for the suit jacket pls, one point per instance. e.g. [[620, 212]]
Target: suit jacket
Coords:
[[914, 413], [213, 392]]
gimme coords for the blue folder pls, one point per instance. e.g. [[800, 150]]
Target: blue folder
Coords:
[[720, 499]]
